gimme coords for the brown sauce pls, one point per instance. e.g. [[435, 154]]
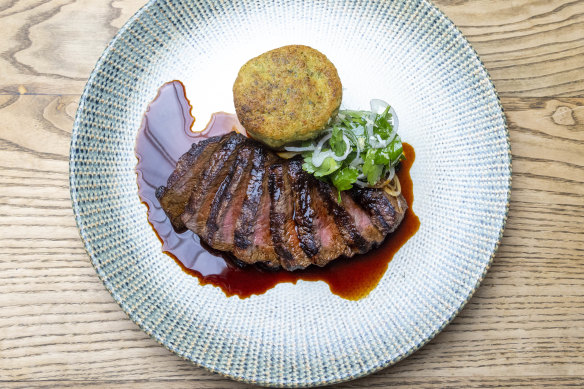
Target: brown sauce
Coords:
[[166, 134]]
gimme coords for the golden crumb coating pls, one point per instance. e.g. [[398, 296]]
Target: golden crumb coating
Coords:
[[286, 94]]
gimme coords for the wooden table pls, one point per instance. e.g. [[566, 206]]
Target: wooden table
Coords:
[[59, 327]]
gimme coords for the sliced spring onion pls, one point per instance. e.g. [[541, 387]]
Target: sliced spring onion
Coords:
[[369, 145]]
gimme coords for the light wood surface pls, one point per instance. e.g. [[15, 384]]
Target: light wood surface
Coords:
[[59, 327]]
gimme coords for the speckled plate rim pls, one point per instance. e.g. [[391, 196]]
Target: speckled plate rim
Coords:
[[457, 34]]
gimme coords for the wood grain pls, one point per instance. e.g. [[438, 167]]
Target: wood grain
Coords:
[[59, 327], [532, 48]]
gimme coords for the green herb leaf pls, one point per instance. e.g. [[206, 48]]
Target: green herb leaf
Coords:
[[337, 142], [328, 166], [394, 150], [381, 157], [382, 126], [344, 178], [307, 166], [370, 168]]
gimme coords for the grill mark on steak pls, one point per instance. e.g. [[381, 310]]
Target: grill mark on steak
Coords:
[[304, 215], [332, 243], [386, 211], [252, 236], [226, 233], [220, 165], [343, 219], [243, 236], [174, 196], [186, 160], [362, 221], [262, 238], [223, 204], [282, 225]]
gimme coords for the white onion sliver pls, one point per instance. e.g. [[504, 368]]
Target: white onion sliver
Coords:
[[318, 156], [319, 159], [323, 140], [378, 106], [377, 143], [361, 183], [357, 161], [299, 149], [369, 129], [391, 173], [382, 143]]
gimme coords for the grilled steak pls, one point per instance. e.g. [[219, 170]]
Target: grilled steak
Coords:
[[332, 243], [174, 197], [252, 236], [226, 204], [282, 221], [240, 197], [219, 169], [304, 213], [343, 219], [386, 212]]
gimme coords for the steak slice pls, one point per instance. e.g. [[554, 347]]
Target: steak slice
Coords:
[[304, 214], [218, 168], [282, 225], [252, 236], [332, 243], [362, 222], [343, 219], [227, 203], [174, 196], [386, 211]]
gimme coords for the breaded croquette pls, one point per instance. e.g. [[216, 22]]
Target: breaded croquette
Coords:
[[287, 94]]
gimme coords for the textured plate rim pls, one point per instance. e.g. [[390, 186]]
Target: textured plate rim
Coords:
[[456, 34]]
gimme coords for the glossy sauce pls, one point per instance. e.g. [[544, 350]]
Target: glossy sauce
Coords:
[[166, 134]]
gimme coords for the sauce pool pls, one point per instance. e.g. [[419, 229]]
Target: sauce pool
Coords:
[[165, 135]]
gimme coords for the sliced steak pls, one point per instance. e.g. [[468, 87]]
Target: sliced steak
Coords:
[[174, 196], [386, 211], [219, 166], [362, 222], [226, 205], [245, 225], [332, 243], [282, 225], [344, 221], [252, 236], [304, 214], [262, 238]]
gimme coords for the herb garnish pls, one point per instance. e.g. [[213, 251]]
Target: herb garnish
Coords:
[[357, 148]]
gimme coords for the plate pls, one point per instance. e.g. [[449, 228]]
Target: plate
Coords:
[[405, 52]]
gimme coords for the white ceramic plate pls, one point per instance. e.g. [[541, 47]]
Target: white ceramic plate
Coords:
[[405, 52]]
